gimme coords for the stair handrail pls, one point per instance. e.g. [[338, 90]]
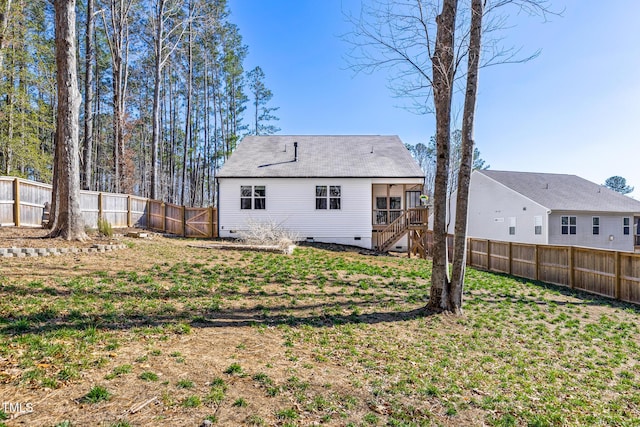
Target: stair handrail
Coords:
[[389, 234]]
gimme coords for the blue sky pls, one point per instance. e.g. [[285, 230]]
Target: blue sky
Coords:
[[574, 109]]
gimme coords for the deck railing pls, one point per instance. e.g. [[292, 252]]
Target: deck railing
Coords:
[[386, 237]]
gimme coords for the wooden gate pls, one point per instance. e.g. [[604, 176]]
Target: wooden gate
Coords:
[[200, 222]]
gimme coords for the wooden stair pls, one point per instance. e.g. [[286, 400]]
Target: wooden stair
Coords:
[[415, 217]]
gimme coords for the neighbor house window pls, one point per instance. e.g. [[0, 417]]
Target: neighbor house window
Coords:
[[512, 225], [537, 224], [253, 197], [595, 222], [568, 224], [626, 226], [328, 196]]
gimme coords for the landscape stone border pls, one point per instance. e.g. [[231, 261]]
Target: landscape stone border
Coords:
[[33, 252]]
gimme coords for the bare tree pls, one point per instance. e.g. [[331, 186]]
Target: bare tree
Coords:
[[118, 38], [452, 297], [87, 154], [443, 75], [398, 35], [168, 28], [66, 215]]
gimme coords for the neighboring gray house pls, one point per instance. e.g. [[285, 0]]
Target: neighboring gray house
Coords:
[[335, 189], [554, 209]]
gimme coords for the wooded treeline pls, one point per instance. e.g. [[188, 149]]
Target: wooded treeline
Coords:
[[165, 94]]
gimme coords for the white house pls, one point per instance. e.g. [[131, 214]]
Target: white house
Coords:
[[554, 209], [332, 189]]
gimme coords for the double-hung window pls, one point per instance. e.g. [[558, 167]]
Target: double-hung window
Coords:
[[569, 224], [328, 197], [626, 226], [595, 225], [253, 197], [537, 224]]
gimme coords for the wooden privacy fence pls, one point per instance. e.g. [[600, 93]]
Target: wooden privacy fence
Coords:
[[22, 204], [602, 272]]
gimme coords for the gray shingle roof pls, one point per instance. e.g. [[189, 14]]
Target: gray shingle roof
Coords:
[[354, 156], [561, 192]]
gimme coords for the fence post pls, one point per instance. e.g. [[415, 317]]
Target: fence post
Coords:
[[469, 251], [184, 222], [128, 210], [571, 272], [488, 255], [100, 206], [510, 257], [163, 209], [618, 273], [536, 261], [16, 202], [148, 208]]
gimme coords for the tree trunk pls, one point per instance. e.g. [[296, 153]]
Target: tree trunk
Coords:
[[466, 163], [5, 13], [155, 133], [68, 218], [187, 119], [443, 74], [87, 164]]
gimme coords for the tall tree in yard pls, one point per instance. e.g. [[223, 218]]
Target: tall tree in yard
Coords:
[[398, 35], [66, 216], [452, 295], [168, 28], [116, 19], [87, 151], [262, 114]]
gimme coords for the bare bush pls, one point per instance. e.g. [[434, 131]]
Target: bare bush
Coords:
[[269, 232]]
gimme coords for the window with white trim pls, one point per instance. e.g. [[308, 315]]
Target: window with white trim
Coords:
[[568, 224], [595, 225], [537, 224], [626, 226], [253, 197], [328, 197]]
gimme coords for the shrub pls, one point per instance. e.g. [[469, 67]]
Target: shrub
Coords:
[[104, 227], [267, 233]]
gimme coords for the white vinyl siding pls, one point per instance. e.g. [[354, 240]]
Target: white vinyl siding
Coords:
[[292, 204], [491, 207], [610, 228]]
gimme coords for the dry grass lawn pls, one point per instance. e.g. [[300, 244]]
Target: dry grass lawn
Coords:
[[163, 333]]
